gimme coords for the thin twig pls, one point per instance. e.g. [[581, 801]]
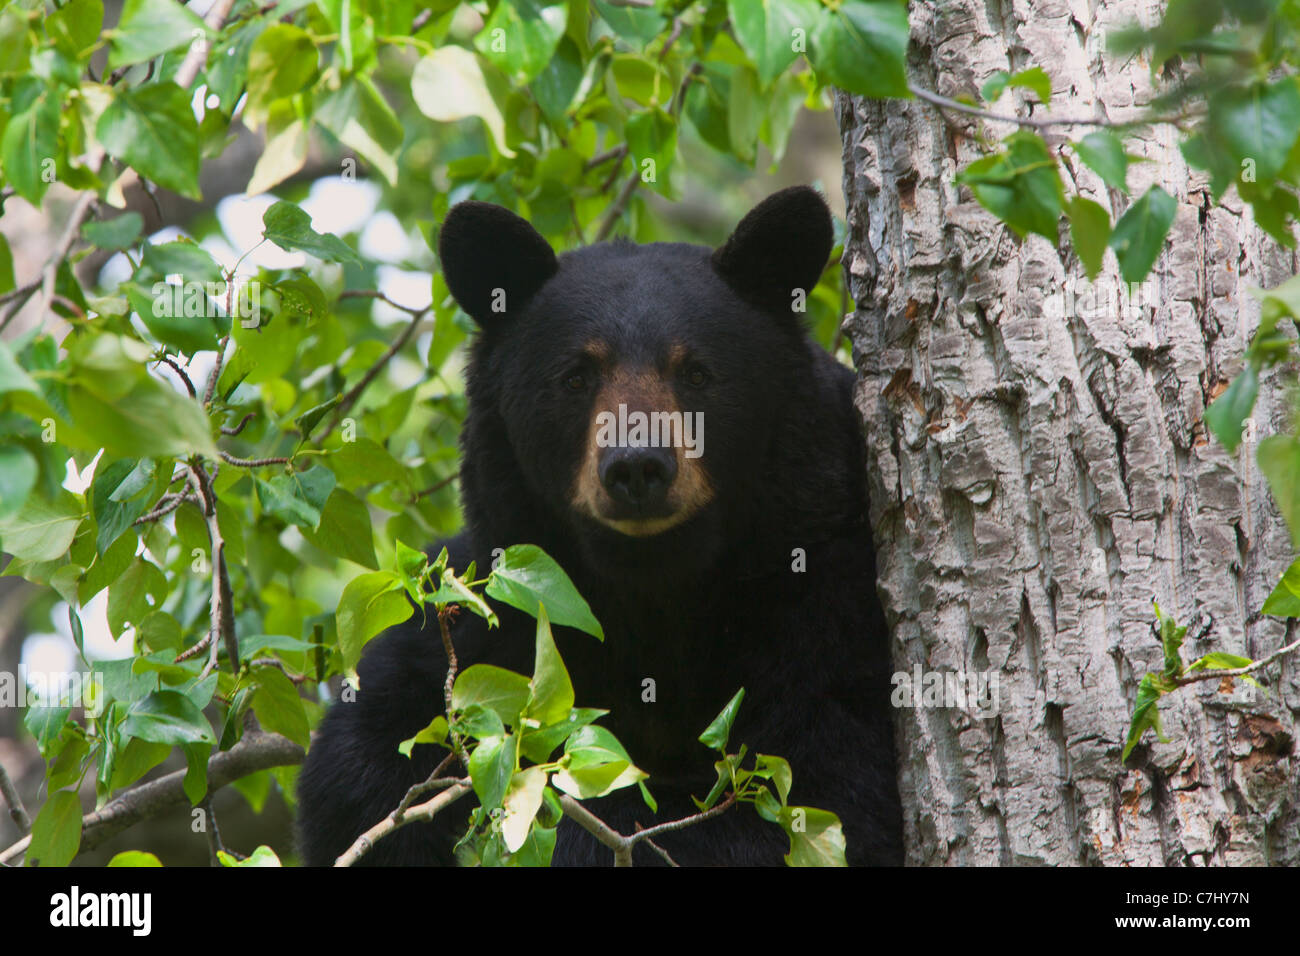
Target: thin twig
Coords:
[[211, 831], [622, 845], [600, 159], [222, 613], [945, 103], [166, 505], [17, 812], [376, 294], [197, 649], [1191, 677], [424, 811], [436, 487], [352, 394], [184, 376], [221, 355], [434, 781], [620, 203], [252, 462], [457, 745], [240, 427]]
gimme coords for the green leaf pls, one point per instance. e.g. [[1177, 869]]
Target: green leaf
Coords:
[[168, 717], [41, 530], [278, 706], [370, 603], [263, 856], [1258, 123], [434, 733], [652, 135], [362, 119], [520, 36], [1140, 233], [12, 376], [345, 530], [281, 62], [715, 736], [184, 258], [525, 576], [448, 85], [18, 473], [56, 831], [6, 266], [310, 418], [298, 498], [591, 745], [453, 590], [816, 837], [1089, 231], [1146, 715], [153, 129], [1020, 186], [1227, 414], [1284, 601], [29, 147], [195, 783], [75, 26], [287, 140], [556, 85], [150, 421], [766, 31], [1171, 641], [538, 745], [861, 47], [1279, 460], [1105, 156], [503, 692], [119, 233], [552, 690], [1218, 660], [150, 27], [522, 800], [134, 858], [115, 512], [779, 770], [491, 766], [290, 228]]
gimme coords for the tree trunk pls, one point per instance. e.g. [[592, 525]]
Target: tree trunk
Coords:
[[1040, 473]]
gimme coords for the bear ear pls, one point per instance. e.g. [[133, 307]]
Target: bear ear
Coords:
[[781, 245], [493, 260]]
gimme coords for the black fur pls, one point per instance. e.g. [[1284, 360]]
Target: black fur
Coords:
[[703, 608]]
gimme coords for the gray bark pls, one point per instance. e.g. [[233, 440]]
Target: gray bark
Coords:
[[1040, 473]]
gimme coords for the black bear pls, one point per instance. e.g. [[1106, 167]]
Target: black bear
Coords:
[[740, 557]]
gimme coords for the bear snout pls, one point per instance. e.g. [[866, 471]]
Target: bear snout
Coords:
[[638, 477]]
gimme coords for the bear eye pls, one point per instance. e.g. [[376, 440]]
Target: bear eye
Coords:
[[575, 382], [697, 376]]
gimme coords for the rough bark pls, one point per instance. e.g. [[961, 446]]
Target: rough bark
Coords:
[[1040, 473]]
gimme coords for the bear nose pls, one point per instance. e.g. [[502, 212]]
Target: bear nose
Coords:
[[638, 476]]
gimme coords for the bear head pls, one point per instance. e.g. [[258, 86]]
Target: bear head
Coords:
[[645, 408]]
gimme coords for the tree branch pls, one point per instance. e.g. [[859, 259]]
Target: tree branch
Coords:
[[622, 845], [223, 614], [17, 812], [944, 102], [256, 751], [351, 395], [425, 811], [1192, 677]]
